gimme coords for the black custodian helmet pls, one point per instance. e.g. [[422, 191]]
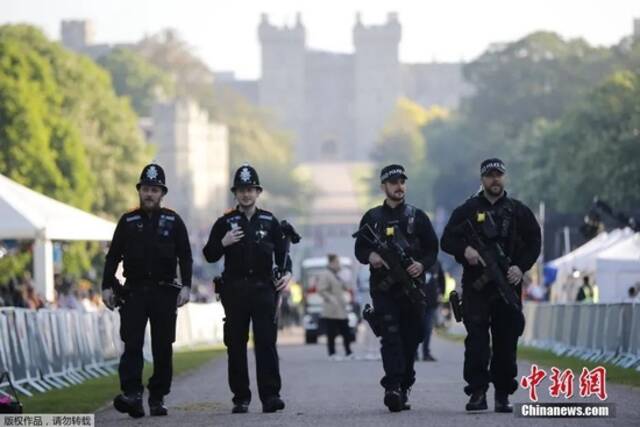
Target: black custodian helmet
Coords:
[[153, 174], [246, 176]]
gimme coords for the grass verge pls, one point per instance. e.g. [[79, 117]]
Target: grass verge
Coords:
[[93, 394], [548, 359]]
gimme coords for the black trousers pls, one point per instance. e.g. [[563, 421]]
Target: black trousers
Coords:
[[493, 328], [402, 330], [335, 327], [251, 301], [158, 306]]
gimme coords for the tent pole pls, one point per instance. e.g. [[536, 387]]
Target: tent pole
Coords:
[[43, 268]]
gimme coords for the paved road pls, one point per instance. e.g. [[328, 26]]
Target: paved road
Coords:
[[319, 392]]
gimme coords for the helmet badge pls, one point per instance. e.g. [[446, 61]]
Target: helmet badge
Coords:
[[152, 173], [245, 175]]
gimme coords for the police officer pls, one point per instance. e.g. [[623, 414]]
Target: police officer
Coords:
[[402, 327], [483, 309], [250, 239], [150, 241]]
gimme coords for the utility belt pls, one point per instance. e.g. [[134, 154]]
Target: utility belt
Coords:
[[147, 284], [228, 280]]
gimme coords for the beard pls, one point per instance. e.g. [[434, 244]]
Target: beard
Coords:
[[396, 196], [149, 204], [494, 190]]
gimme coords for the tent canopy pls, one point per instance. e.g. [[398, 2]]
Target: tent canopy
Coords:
[[29, 215], [583, 258], [618, 268]]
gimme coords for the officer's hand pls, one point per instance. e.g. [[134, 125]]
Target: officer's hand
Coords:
[[472, 256], [415, 269], [514, 274], [376, 260], [108, 298], [233, 236], [283, 283], [184, 296]]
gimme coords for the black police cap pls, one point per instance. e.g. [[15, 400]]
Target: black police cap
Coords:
[[491, 165], [392, 171], [153, 175], [246, 176]]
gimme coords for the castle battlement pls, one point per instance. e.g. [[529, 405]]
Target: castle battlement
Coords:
[[390, 31], [268, 32]]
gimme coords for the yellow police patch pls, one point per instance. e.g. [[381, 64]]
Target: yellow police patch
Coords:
[[390, 231], [481, 217]]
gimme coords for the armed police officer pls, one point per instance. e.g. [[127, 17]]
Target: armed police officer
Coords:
[[496, 239], [399, 311], [150, 241], [250, 239]]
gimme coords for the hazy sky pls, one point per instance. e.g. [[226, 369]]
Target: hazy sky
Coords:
[[224, 33]]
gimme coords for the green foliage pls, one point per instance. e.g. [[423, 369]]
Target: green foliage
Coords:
[[402, 142], [591, 149], [541, 105], [63, 130], [13, 266], [136, 78]]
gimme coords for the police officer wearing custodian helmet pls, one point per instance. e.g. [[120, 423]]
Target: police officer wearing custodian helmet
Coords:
[[150, 241], [250, 239]]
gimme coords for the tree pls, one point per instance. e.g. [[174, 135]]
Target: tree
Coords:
[[63, 130], [403, 142], [136, 78], [591, 151], [521, 89]]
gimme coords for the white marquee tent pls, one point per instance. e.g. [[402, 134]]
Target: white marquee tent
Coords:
[[28, 215], [582, 259], [618, 268]]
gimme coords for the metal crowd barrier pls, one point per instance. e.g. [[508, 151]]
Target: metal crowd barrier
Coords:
[[51, 349], [595, 332]]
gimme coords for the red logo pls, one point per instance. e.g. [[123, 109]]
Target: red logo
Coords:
[[592, 382], [532, 381]]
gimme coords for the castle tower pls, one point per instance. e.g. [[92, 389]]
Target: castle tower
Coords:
[[377, 81], [282, 86], [77, 35]]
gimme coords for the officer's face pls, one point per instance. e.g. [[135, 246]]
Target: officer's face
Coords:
[[247, 196], [150, 197], [395, 189], [493, 183]]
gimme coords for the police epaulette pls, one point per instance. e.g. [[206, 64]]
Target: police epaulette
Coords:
[[228, 211], [133, 218]]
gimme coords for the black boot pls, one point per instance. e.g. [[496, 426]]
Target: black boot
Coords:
[[129, 404], [240, 407], [502, 402], [405, 399], [393, 400], [272, 404], [157, 408], [477, 402]]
